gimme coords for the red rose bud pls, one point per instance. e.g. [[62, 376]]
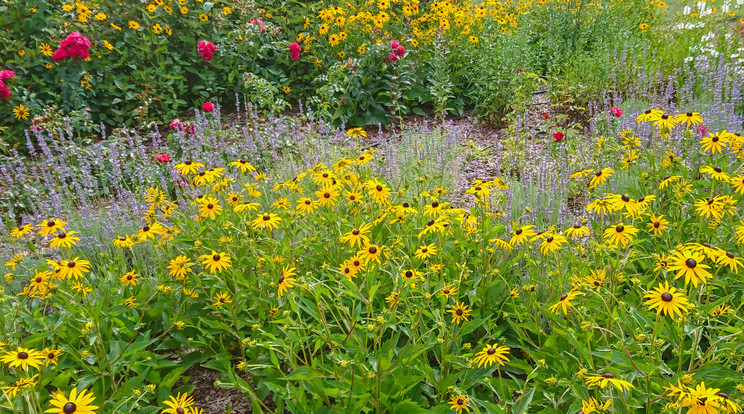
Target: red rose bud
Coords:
[[208, 106], [558, 136], [164, 158], [546, 116]]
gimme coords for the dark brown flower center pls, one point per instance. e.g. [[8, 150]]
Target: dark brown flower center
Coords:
[[406, 205], [379, 187], [491, 351], [716, 169], [691, 263], [210, 206], [372, 250], [356, 263], [729, 255], [460, 401], [656, 224], [563, 297], [325, 175], [478, 189], [625, 198], [648, 111], [667, 297], [281, 279], [409, 274], [430, 223], [608, 376], [22, 355], [326, 195], [129, 277], [216, 258], [69, 408], [308, 202], [620, 228], [70, 264], [38, 279], [459, 312], [355, 232], [518, 232], [266, 217], [51, 223], [715, 138], [434, 205], [549, 239], [51, 355], [446, 291], [689, 114], [188, 163]]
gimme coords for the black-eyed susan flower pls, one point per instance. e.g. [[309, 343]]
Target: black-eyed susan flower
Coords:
[[448, 291], [459, 403], [19, 232], [130, 278], [719, 310], [492, 354], [370, 253], [180, 267], [15, 261], [689, 264], [379, 191], [607, 379], [180, 404], [737, 182], [409, 274], [266, 221], [657, 224], [689, 118], [246, 206], [600, 177], [327, 196], [391, 300], [600, 206], [74, 404], [426, 251], [51, 226], [714, 142], [595, 279], [714, 207], [221, 298], [243, 166], [434, 209], [564, 302], [460, 312], [667, 300], [124, 242], [51, 356], [216, 262], [306, 205], [728, 259], [62, 239], [356, 133], [286, 280], [620, 234], [149, 231], [209, 207], [357, 236], [347, 270], [189, 167], [521, 234], [701, 400], [73, 269], [552, 243], [649, 115], [40, 281], [354, 196], [22, 358], [665, 122], [577, 231]]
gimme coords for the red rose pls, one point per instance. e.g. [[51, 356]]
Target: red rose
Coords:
[[401, 50], [393, 57], [6, 74], [558, 136], [546, 116], [74, 45], [206, 49], [616, 111], [394, 44], [163, 158], [294, 51], [208, 106]]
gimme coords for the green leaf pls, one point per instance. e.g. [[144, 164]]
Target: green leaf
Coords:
[[302, 373]]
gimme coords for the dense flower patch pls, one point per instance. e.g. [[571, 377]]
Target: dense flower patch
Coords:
[[337, 290]]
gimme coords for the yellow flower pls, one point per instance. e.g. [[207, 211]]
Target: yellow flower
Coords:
[[134, 25], [21, 112]]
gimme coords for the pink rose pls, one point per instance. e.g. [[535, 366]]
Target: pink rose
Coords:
[[208, 106], [206, 49], [393, 57], [394, 44], [175, 123], [164, 158], [294, 51], [401, 50], [616, 111], [6, 74]]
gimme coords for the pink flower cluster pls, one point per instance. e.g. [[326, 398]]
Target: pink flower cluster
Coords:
[[75, 45], [206, 49], [179, 126], [259, 23], [616, 112], [398, 50], [4, 91], [294, 51]]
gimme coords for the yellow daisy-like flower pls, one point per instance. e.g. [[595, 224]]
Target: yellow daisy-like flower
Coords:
[[460, 312], [564, 302], [607, 379], [130, 278], [69, 269], [552, 243], [189, 167], [221, 299], [689, 264], [492, 353], [286, 280], [621, 234], [63, 239], [216, 262], [667, 300], [357, 236], [74, 404], [180, 404], [657, 224], [426, 251], [21, 112], [266, 221], [714, 142], [459, 403], [23, 358]]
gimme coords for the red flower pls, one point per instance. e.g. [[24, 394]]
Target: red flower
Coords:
[[616, 111], [208, 106], [6, 74], [394, 44], [164, 158], [4, 91], [702, 130], [393, 57], [401, 50], [558, 136], [546, 116], [294, 51], [74, 45], [206, 49]]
